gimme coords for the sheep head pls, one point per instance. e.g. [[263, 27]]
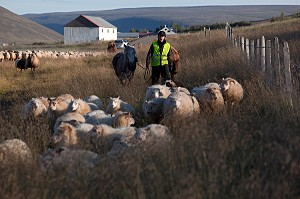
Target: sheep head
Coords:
[[53, 103], [64, 136], [74, 105], [123, 120], [114, 102], [225, 84], [175, 102]]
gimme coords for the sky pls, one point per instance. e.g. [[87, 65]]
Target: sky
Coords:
[[21, 7]]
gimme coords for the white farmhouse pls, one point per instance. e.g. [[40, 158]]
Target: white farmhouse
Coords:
[[88, 29], [168, 31]]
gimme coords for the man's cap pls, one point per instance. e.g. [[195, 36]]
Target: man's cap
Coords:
[[162, 33]]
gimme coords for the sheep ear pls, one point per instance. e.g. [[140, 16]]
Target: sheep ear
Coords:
[[118, 97], [232, 81]]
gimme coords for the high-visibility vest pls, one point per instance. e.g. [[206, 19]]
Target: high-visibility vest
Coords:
[[157, 58]]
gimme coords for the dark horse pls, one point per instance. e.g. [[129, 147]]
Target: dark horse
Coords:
[[125, 64]]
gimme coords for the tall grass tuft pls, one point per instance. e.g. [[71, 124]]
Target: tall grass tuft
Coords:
[[250, 151]]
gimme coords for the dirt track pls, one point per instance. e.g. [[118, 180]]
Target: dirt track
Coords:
[[143, 40]]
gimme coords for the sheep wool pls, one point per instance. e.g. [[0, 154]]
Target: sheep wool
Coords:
[[232, 91], [116, 104]]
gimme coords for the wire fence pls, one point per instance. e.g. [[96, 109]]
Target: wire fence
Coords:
[[272, 59]]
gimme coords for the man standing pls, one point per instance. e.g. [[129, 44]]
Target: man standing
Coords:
[[159, 56]]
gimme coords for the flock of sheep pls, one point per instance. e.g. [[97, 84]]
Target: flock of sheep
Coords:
[[85, 128], [30, 59]]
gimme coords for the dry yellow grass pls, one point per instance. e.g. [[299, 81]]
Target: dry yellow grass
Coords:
[[248, 152]]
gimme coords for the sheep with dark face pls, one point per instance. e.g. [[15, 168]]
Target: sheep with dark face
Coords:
[[20, 64], [32, 62]]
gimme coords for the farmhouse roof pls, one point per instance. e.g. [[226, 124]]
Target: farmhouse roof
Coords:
[[89, 21]]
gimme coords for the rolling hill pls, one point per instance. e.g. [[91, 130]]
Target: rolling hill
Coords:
[[154, 17], [20, 30]]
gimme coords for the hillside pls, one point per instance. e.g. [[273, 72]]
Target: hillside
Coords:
[[19, 30], [154, 17]]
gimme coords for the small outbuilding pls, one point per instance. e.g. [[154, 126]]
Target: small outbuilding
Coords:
[[168, 30], [85, 29]]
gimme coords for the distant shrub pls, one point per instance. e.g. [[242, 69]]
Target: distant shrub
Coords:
[[39, 43]]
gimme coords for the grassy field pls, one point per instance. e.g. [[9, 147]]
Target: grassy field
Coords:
[[251, 151]]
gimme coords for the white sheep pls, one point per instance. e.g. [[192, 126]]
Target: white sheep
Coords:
[[34, 108], [153, 131], [15, 150], [67, 97], [78, 106], [93, 106], [57, 108], [1, 56], [153, 109], [103, 137], [67, 135], [119, 119], [95, 113], [71, 161], [94, 99], [157, 90], [180, 89], [116, 104], [209, 97], [69, 117], [179, 104], [123, 119], [232, 91], [83, 128]]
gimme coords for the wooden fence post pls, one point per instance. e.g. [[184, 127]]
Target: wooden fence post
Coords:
[[252, 52], [247, 50], [263, 54], [277, 71], [269, 72], [257, 51], [235, 42], [243, 44], [287, 71]]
